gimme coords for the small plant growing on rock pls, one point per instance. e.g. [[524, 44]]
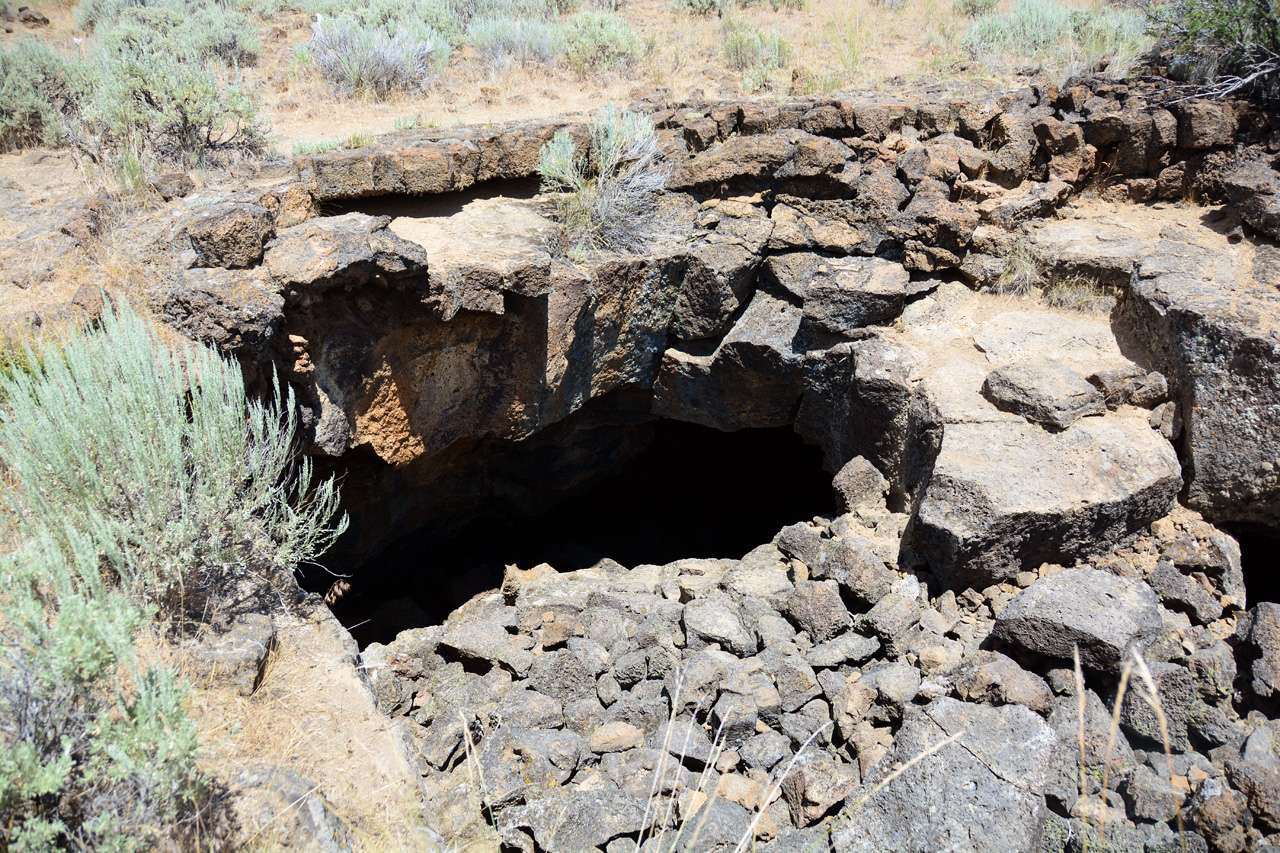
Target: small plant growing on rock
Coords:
[[609, 195]]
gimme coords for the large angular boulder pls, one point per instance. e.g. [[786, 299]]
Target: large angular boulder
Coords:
[[1253, 189], [751, 379], [983, 793], [237, 311], [1043, 497], [1101, 614], [1211, 329], [723, 263], [230, 234]]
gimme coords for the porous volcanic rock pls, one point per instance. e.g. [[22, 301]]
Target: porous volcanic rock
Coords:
[[1045, 497]]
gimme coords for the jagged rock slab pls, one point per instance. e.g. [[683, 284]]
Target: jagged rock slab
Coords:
[[574, 820], [722, 268], [342, 251], [842, 295], [237, 311], [790, 160], [489, 247], [984, 793], [238, 657], [1103, 615], [1215, 334], [751, 379], [1005, 497], [421, 162], [1254, 190]]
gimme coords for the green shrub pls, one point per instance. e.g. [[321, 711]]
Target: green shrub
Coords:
[[173, 109], [599, 41], [96, 751], [746, 47], [704, 8], [36, 86], [1230, 45], [609, 195], [522, 40], [974, 8], [160, 456], [367, 61]]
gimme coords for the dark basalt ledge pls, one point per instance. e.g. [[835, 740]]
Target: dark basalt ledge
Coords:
[[1015, 482]]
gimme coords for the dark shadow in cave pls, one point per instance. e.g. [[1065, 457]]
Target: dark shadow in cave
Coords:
[[442, 204], [695, 492], [1259, 549]]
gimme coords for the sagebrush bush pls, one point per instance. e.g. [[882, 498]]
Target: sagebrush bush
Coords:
[[96, 750], [359, 60], [1075, 40], [522, 40], [746, 47], [609, 195], [37, 86], [161, 456], [700, 7], [600, 41]]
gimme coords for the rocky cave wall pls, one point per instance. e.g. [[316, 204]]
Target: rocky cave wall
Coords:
[[431, 355]]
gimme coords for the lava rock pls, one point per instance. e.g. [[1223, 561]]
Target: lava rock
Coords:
[[858, 482], [1044, 391], [1046, 497], [574, 820], [236, 311], [983, 793], [1104, 615], [1259, 632], [817, 608], [993, 679], [714, 619], [230, 234]]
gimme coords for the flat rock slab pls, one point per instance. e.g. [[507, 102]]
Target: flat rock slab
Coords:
[[1044, 391], [341, 251], [1090, 249], [1006, 497], [490, 246], [983, 793], [1102, 614], [1079, 342], [575, 820]]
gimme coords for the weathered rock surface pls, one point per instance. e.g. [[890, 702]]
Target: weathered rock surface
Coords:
[[1212, 333], [489, 247], [1043, 391], [752, 378], [1103, 615], [346, 251], [1047, 497], [983, 792]]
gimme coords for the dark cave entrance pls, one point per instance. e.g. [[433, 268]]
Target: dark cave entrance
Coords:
[[1259, 550], [694, 492]]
